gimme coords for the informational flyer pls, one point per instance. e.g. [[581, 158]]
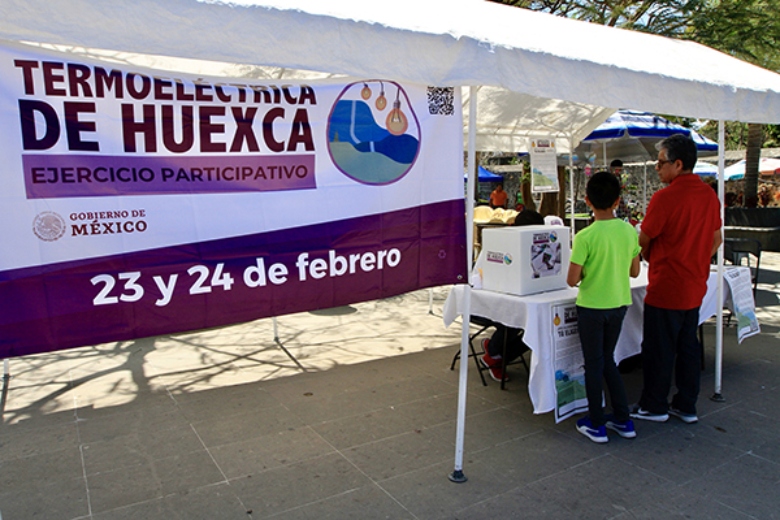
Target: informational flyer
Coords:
[[570, 397], [544, 165], [744, 306]]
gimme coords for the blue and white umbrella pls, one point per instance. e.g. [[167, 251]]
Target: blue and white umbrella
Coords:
[[631, 136], [766, 166], [704, 169]]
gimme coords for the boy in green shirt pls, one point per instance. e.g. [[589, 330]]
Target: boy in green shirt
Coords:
[[603, 257]]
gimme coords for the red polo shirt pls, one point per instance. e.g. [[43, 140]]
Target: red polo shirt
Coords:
[[681, 221]]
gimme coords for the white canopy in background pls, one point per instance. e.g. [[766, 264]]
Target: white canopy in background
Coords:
[[475, 43], [506, 120]]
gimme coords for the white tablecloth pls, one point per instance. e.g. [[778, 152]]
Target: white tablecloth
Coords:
[[533, 314]]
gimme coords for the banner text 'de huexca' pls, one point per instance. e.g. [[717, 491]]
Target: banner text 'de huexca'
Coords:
[[156, 121]]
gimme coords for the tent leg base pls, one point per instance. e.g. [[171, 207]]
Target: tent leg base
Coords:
[[718, 398], [457, 476]]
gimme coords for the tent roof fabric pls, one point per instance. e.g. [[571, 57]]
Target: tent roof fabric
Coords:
[[437, 42], [505, 120]]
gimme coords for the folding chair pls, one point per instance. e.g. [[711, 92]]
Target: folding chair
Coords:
[[482, 325], [519, 359]]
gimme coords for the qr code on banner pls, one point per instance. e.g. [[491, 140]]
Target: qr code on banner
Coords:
[[440, 100]]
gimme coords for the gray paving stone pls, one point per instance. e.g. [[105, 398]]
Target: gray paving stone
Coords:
[[138, 447], [216, 430], [747, 484], [399, 454], [428, 492], [223, 402], [208, 503], [691, 503], [258, 454], [18, 475], [152, 479], [306, 483], [49, 498], [21, 440], [366, 427], [359, 504], [679, 454]]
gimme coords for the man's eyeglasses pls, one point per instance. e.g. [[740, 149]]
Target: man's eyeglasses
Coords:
[[660, 163]]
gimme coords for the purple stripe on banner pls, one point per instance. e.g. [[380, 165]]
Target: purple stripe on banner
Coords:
[[232, 280], [57, 176]]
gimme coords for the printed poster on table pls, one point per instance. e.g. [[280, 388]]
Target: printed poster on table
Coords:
[[544, 165], [138, 202], [570, 397]]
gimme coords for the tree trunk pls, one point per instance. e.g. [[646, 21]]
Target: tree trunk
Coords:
[[528, 199], [752, 157], [564, 193], [549, 203], [512, 187], [477, 162]]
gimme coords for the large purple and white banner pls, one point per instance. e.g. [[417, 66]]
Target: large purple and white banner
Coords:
[[139, 202]]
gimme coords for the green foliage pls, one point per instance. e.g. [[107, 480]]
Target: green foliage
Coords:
[[668, 17], [736, 134], [746, 29]]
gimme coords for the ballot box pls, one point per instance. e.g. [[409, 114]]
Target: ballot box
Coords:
[[525, 259]]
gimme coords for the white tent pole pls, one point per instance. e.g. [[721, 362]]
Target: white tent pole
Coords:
[[571, 184], [717, 396], [457, 474], [604, 154]]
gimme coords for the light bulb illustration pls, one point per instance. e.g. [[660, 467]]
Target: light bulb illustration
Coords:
[[370, 141], [366, 92], [396, 120], [381, 101]]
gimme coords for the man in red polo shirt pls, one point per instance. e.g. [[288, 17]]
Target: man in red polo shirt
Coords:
[[679, 235]]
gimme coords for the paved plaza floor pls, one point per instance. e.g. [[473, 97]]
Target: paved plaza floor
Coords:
[[350, 414]]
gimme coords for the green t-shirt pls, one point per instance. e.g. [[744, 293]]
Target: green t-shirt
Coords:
[[605, 250]]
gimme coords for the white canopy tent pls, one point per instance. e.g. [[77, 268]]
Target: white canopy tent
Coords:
[[515, 62], [505, 120], [462, 42]]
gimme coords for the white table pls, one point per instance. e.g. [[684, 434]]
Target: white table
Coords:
[[533, 314]]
